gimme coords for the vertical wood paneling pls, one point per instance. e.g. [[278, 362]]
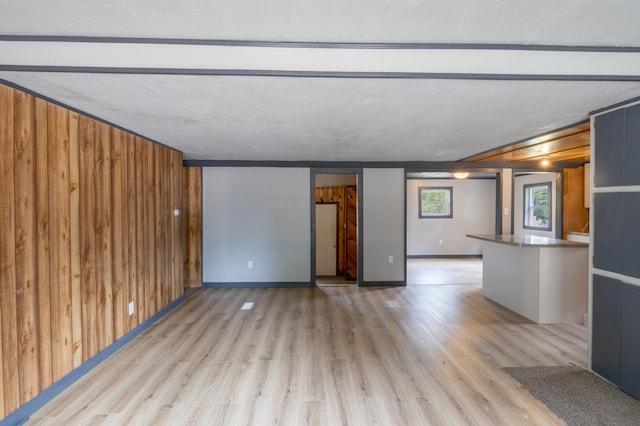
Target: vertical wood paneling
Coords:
[[25, 245], [177, 237], [59, 241], [192, 203], [351, 207], [150, 235], [119, 233], [87, 237], [103, 235], [74, 211], [168, 220], [130, 211], [8, 314], [42, 249], [575, 216], [86, 226], [141, 230], [160, 209]]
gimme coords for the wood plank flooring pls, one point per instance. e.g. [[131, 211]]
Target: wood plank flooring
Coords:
[[449, 271], [414, 355]]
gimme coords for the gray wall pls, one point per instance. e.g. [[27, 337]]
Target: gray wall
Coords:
[[383, 225], [260, 215], [518, 203], [474, 209]]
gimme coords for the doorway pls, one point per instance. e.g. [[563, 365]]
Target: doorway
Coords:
[[326, 239], [336, 229]]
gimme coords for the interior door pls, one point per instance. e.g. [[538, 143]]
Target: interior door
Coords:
[[326, 236], [351, 206]]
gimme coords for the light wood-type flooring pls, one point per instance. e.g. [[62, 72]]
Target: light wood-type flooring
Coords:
[[415, 355], [441, 271]]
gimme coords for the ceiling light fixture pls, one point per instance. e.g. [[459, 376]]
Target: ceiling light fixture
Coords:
[[545, 162], [461, 175]]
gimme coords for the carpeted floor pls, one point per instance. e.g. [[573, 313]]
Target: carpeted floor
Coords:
[[577, 396]]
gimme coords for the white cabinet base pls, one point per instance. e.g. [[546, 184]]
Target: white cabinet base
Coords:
[[543, 284]]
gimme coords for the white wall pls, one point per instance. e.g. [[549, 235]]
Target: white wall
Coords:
[[383, 225], [474, 209], [260, 215], [518, 203]]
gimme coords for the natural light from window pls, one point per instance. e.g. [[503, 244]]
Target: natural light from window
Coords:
[[537, 206], [435, 202]]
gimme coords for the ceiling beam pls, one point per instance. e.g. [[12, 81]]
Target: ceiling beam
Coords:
[[348, 60]]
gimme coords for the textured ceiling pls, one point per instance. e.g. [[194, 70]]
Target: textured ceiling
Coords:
[[567, 22], [330, 119]]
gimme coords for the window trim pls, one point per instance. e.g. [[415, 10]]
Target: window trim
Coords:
[[435, 216], [549, 226]]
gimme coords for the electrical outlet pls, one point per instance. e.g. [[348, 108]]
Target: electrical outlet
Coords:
[[440, 242], [132, 308], [250, 264], [390, 259]]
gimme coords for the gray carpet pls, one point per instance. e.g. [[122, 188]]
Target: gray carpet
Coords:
[[577, 396]]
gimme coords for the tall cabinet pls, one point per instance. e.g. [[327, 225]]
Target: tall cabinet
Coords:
[[615, 342]]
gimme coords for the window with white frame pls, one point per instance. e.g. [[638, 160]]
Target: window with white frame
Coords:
[[537, 206]]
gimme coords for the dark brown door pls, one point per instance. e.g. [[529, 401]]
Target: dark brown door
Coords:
[[351, 205]]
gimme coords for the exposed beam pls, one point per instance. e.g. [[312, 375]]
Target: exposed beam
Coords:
[[417, 61]]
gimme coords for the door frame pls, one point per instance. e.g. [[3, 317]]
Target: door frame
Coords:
[[312, 202]]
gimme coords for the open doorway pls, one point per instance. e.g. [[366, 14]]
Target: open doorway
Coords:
[[336, 229], [441, 210]]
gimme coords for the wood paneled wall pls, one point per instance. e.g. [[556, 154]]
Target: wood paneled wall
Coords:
[[192, 203], [336, 195], [575, 215], [86, 226]]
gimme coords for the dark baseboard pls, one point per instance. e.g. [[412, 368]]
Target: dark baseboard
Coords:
[[444, 256], [21, 415], [261, 284]]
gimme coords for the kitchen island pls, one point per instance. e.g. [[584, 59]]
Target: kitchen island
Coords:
[[543, 279]]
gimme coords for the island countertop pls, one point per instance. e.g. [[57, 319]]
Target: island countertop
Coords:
[[543, 279], [525, 240]]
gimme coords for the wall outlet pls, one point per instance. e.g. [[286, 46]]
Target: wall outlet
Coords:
[[390, 259], [250, 264], [132, 308], [440, 242], [506, 211]]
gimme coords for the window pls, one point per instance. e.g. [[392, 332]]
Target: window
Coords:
[[537, 206], [435, 202]]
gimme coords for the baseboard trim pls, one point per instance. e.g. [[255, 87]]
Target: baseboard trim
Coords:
[[383, 284], [444, 256], [261, 284], [22, 414]]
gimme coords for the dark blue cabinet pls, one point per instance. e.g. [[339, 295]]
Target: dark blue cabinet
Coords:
[[617, 149], [631, 236], [630, 340], [608, 231], [615, 343], [631, 162], [609, 149], [605, 344]]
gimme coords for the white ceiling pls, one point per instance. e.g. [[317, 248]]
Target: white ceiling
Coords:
[[311, 118]]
